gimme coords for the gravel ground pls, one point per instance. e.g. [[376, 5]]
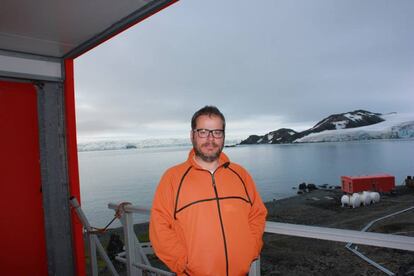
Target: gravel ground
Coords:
[[287, 255]]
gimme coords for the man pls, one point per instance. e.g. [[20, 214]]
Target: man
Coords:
[[207, 217]]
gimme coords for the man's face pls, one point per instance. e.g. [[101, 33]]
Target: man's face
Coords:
[[208, 148]]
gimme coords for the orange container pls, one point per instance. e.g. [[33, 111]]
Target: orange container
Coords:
[[376, 183]]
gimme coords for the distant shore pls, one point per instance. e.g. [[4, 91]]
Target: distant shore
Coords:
[[286, 255]]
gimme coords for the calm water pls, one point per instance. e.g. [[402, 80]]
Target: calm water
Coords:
[[132, 175]]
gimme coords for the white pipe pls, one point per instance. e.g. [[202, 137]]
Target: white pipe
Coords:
[[341, 235], [368, 260], [362, 256]]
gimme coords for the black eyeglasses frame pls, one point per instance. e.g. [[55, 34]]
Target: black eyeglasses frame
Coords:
[[216, 133]]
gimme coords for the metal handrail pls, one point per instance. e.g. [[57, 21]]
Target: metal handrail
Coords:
[[135, 258], [315, 232], [342, 235]]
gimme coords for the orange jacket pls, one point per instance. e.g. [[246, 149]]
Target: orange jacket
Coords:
[[205, 223]]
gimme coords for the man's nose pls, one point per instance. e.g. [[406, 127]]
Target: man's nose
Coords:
[[210, 136]]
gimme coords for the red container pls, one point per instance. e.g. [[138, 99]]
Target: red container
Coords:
[[375, 183]]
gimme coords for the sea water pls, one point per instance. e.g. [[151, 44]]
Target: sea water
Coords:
[[132, 175]]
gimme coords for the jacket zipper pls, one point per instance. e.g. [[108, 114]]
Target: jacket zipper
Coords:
[[221, 222]]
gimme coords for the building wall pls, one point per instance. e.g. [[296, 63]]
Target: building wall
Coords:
[[22, 231]]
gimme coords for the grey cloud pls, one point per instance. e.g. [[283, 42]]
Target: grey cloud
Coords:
[[301, 60]]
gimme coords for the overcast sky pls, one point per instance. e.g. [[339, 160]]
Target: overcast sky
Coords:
[[266, 64]]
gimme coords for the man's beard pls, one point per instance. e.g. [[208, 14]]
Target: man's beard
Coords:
[[207, 158]]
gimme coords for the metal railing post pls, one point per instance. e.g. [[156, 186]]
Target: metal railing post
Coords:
[[255, 268], [91, 243], [135, 255], [92, 254], [129, 235]]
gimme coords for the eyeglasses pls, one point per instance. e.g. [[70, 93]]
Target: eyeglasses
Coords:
[[204, 133]]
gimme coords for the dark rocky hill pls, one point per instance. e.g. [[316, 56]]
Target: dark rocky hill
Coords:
[[357, 118], [280, 136]]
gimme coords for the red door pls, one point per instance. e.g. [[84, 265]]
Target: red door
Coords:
[[22, 233]]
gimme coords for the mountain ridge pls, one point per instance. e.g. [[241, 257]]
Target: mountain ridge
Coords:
[[353, 119]]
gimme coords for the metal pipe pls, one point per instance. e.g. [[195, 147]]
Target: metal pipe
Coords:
[[368, 260], [384, 217], [104, 256], [362, 256], [91, 243]]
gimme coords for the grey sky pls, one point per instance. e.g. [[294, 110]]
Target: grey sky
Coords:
[[266, 64]]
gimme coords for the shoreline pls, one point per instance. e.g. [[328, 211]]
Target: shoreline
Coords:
[[287, 255]]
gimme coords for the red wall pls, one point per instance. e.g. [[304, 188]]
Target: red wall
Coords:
[[22, 232], [73, 170], [23, 245]]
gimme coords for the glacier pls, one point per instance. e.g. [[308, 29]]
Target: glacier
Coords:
[[131, 143]]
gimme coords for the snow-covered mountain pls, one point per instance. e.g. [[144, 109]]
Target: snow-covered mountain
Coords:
[[337, 127], [352, 119], [355, 125], [394, 126]]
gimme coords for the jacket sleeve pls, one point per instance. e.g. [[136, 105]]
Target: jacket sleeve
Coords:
[[165, 239], [257, 215]]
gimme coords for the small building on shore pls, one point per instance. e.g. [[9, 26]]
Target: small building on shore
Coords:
[[383, 183]]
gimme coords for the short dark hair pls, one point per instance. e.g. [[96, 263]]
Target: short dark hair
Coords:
[[209, 110]]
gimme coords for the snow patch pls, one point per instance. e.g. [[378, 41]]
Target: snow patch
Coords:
[[340, 124], [353, 117]]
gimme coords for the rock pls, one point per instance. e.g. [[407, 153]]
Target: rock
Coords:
[[302, 186], [230, 146], [311, 187], [252, 139], [130, 146], [280, 136]]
